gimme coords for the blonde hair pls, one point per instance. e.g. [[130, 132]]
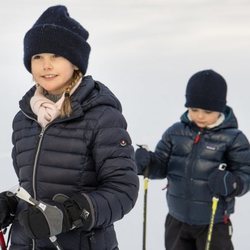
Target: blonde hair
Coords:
[[66, 108]]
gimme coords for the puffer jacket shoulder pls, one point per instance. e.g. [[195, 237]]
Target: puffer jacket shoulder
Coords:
[[187, 163], [89, 152]]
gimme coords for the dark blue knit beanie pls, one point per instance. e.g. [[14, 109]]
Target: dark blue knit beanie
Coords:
[[206, 90], [56, 32]]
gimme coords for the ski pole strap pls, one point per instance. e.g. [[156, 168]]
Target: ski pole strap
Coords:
[[53, 216]]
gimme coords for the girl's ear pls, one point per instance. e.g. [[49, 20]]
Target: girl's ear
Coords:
[[76, 68]]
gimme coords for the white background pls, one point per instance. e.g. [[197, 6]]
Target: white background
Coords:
[[144, 51]]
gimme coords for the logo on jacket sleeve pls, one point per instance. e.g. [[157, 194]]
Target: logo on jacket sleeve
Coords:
[[123, 142]]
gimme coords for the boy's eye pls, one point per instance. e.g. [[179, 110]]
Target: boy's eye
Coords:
[[208, 111]]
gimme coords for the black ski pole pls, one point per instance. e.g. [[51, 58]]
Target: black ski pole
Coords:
[[145, 182]]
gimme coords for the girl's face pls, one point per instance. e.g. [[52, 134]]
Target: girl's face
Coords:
[[52, 72], [203, 118]]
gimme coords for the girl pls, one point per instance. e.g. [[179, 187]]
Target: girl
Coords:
[[71, 149]]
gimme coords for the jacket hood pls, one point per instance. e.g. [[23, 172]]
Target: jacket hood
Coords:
[[229, 122], [92, 93], [89, 94]]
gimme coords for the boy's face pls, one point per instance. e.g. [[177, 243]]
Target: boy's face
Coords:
[[203, 118]]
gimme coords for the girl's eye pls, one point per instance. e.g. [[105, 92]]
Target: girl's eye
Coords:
[[55, 56], [194, 109], [36, 57]]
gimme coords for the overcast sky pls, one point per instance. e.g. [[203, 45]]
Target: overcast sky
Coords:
[[144, 51]]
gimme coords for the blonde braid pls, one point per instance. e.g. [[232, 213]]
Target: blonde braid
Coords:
[[66, 108]]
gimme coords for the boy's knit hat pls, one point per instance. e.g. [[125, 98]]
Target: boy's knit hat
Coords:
[[56, 32], [206, 90]]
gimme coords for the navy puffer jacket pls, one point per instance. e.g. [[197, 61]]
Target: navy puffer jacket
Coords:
[[187, 165], [89, 152]]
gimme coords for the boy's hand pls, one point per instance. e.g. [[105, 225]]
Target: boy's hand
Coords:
[[224, 183], [142, 159]]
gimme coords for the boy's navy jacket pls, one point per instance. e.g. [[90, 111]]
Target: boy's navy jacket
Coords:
[[187, 166], [89, 152]]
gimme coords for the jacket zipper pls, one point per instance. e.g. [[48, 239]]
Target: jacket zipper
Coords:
[[189, 170], [197, 137], [35, 164], [37, 153], [36, 160], [196, 140], [38, 148]]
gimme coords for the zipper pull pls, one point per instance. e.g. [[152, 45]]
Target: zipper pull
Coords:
[[197, 137], [42, 132]]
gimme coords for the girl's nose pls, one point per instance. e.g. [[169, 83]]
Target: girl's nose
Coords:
[[47, 64]]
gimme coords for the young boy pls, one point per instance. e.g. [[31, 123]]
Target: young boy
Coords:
[[189, 155]]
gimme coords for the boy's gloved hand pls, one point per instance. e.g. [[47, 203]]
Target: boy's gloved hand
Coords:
[[224, 183], [8, 205], [62, 216], [142, 159]]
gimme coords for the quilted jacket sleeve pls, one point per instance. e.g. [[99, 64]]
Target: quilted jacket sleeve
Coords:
[[160, 157], [238, 157], [118, 182]]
